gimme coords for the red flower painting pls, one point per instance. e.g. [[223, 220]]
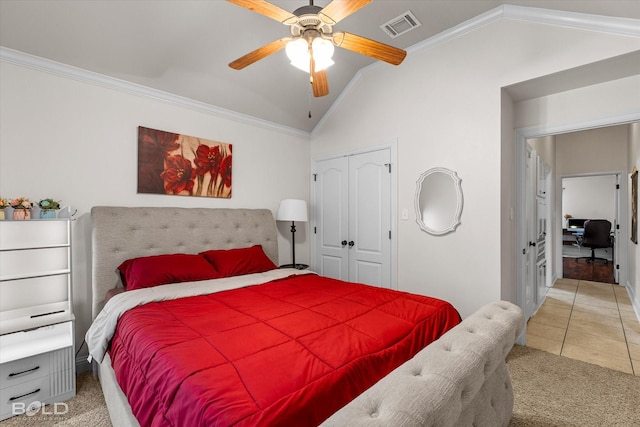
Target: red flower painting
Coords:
[[170, 163], [177, 175]]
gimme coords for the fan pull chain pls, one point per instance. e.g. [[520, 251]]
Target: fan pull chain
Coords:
[[309, 100]]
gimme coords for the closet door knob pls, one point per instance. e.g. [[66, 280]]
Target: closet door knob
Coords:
[[344, 243], [351, 243]]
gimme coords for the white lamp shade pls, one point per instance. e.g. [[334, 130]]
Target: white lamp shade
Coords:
[[292, 210]]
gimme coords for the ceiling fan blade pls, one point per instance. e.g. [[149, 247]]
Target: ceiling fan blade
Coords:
[[319, 83], [258, 54], [369, 47], [337, 10], [267, 9]]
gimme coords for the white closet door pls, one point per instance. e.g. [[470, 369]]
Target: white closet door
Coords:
[[370, 218], [331, 218], [353, 218]]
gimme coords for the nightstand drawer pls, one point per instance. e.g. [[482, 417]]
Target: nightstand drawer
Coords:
[[25, 393], [26, 369]]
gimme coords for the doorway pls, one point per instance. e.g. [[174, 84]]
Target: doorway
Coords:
[[592, 196], [524, 280]]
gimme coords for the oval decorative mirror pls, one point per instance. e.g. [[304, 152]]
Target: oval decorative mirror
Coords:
[[438, 201]]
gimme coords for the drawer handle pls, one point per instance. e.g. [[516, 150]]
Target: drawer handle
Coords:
[[15, 374], [24, 395]]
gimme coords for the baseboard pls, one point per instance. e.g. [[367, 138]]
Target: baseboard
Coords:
[[82, 364]]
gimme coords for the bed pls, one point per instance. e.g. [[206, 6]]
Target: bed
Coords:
[[255, 347]]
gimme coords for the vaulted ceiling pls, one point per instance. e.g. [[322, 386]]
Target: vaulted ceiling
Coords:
[[183, 47]]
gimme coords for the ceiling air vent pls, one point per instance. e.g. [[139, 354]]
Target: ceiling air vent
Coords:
[[401, 24]]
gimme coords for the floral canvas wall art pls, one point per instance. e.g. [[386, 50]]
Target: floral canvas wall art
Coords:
[[171, 163]]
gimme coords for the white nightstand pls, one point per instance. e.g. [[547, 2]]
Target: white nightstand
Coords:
[[37, 362]]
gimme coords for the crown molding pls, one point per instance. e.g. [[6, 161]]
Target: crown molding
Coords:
[[41, 64], [559, 18], [579, 21], [605, 24]]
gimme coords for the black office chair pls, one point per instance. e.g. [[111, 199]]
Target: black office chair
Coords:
[[597, 234]]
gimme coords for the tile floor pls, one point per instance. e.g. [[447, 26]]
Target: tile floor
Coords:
[[589, 321]]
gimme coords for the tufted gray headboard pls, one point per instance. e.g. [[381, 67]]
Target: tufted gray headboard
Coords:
[[121, 233]]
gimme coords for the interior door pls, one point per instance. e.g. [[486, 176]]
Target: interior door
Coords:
[[352, 218], [331, 215], [529, 251], [370, 218]]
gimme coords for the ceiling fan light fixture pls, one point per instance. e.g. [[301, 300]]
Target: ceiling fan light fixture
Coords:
[[298, 53], [323, 63], [322, 53]]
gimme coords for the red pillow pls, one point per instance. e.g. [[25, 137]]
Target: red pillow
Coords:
[[236, 262], [145, 272]]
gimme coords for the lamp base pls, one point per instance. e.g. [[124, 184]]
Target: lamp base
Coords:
[[296, 266]]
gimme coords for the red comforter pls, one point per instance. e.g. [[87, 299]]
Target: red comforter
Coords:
[[289, 352]]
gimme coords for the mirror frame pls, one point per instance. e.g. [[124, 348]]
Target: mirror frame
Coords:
[[457, 182]]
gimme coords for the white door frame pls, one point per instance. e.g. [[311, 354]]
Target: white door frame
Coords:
[[392, 146], [521, 136]]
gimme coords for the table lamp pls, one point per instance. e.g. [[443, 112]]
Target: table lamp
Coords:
[[293, 210]]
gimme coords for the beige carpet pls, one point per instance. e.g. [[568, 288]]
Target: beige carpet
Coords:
[[550, 391]]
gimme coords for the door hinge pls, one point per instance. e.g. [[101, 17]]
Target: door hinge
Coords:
[[388, 165], [617, 226], [315, 230], [315, 176], [617, 266], [389, 234], [617, 186]]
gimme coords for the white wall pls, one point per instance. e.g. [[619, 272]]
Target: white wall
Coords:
[[594, 150], [77, 142], [589, 197], [444, 106]]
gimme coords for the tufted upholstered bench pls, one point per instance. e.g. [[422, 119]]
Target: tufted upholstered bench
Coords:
[[459, 380]]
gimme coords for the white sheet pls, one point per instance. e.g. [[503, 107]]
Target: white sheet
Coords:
[[104, 325]]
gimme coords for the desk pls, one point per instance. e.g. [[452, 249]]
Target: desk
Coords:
[[570, 235]]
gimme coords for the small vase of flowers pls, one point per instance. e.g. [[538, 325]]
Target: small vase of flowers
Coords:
[[3, 205], [21, 208], [48, 208]]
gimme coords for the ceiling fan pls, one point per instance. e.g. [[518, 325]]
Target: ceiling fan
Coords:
[[312, 39]]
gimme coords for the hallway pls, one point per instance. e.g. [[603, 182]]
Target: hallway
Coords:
[[589, 321]]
